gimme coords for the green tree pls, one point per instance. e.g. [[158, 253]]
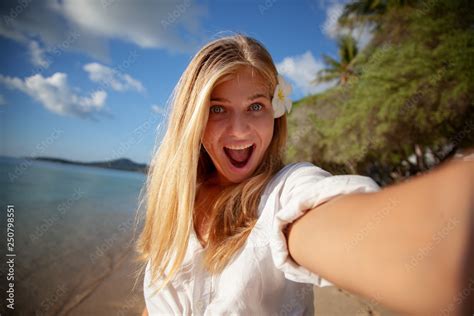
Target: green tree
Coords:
[[370, 11], [343, 69], [409, 106]]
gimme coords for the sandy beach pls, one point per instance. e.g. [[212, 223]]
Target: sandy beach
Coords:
[[74, 247], [114, 296], [95, 276], [334, 301], [107, 288], [112, 293]]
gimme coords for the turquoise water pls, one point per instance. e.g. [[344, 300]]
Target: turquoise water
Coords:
[[72, 224], [37, 182]]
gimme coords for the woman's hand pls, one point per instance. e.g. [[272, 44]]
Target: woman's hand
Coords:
[[404, 246]]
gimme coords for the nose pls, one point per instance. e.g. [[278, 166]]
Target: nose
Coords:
[[239, 125]]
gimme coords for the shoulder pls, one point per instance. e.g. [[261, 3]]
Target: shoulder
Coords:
[[295, 189], [303, 169], [294, 173], [291, 172], [306, 179], [301, 166], [306, 171], [302, 184]]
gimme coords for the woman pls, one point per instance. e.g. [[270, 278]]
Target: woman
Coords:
[[230, 229]]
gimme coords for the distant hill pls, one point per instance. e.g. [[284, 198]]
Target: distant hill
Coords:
[[118, 164]]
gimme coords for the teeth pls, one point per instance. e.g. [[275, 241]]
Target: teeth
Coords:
[[239, 147]]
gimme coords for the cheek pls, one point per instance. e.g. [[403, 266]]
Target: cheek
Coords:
[[265, 129], [269, 135], [210, 135]]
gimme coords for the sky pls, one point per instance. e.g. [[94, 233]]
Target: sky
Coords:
[[89, 80]]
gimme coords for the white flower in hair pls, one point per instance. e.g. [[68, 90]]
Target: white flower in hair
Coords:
[[281, 98]]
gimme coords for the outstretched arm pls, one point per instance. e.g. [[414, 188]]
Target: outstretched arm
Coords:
[[403, 246]]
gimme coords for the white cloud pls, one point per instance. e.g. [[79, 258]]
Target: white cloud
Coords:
[[2, 100], [112, 78], [330, 26], [145, 23], [332, 29], [37, 56], [42, 21], [158, 109], [55, 94], [302, 69], [173, 24]]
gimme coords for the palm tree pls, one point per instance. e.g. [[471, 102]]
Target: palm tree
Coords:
[[370, 11], [341, 70]]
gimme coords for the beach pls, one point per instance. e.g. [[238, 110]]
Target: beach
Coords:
[[74, 236], [334, 301], [73, 239]]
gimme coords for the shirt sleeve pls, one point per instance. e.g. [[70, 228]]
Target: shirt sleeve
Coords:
[[306, 186], [164, 302]]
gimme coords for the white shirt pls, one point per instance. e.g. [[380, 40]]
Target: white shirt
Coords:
[[261, 279]]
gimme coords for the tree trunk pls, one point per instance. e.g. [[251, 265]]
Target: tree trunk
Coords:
[[420, 159]]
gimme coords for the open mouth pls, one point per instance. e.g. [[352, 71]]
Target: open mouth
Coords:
[[239, 155]]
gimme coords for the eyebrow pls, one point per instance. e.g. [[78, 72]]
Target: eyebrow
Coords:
[[253, 97]]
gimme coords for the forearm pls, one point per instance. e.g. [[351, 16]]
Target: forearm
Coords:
[[403, 246]]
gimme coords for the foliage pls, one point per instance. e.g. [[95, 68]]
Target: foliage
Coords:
[[410, 105], [340, 70]]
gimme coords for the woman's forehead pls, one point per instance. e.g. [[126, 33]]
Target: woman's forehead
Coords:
[[249, 79]]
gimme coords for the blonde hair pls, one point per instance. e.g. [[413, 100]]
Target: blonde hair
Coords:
[[181, 164]]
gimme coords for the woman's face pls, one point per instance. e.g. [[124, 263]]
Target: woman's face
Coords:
[[240, 126]]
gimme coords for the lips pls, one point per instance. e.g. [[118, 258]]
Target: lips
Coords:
[[239, 155]]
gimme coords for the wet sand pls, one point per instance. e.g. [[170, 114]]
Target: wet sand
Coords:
[[337, 302], [113, 294], [79, 265], [86, 266], [74, 253]]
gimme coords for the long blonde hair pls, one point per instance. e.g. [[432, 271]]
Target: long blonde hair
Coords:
[[181, 164]]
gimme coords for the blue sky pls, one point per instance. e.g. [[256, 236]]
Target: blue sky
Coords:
[[88, 80]]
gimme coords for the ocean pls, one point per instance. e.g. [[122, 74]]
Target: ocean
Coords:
[[72, 233]]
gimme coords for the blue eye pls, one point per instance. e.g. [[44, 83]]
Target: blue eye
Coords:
[[256, 107], [216, 109]]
